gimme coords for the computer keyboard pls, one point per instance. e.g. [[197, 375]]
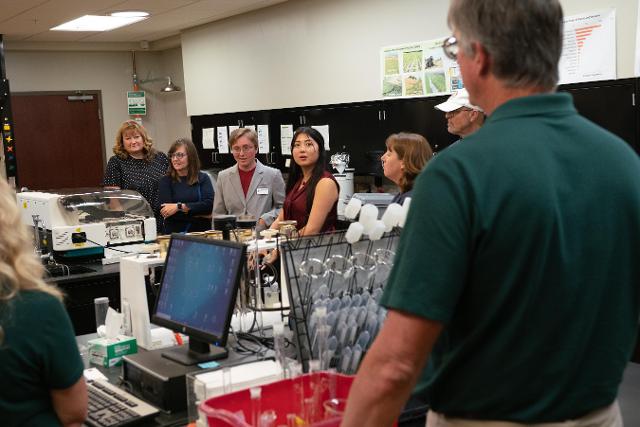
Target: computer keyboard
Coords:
[[112, 406]]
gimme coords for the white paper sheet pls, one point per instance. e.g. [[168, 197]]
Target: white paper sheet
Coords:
[[324, 131], [286, 134], [223, 140], [232, 128], [263, 138], [252, 127], [589, 47], [208, 138]]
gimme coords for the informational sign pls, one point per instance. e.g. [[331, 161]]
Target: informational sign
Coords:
[[137, 103], [223, 139], [286, 134], [324, 131], [418, 69], [208, 138], [232, 128], [589, 47], [263, 138]]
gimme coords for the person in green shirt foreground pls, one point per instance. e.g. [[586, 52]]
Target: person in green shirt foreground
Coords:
[[40, 365], [517, 273]]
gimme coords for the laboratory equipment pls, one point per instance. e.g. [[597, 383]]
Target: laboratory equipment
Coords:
[[84, 222], [101, 306], [346, 287]]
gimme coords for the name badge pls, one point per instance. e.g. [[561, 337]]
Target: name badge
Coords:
[[262, 190]]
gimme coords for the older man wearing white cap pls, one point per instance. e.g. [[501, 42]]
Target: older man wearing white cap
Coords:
[[463, 118]]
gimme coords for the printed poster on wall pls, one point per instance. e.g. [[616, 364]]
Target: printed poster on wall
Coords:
[[223, 139], [418, 69], [208, 138], [286, 135], [589, 47], [263, 139]]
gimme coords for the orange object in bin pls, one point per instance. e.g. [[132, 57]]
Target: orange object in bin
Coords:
[[283, 397]]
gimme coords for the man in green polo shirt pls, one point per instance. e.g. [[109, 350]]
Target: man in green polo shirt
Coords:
[[518, 273]]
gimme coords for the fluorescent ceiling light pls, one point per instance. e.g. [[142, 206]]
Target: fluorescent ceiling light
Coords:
[[97, 23], [130, 14]]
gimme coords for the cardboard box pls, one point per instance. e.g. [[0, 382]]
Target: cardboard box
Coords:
[[108, 352]]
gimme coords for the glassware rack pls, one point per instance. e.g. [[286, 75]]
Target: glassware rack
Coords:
[[334, 288]]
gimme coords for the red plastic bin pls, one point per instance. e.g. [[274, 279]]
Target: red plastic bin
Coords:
[[283, 397]]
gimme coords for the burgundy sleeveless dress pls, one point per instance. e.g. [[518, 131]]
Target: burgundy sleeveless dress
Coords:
[[295, 206]]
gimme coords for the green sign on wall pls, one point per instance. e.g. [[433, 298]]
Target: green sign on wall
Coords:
[[137, 103]]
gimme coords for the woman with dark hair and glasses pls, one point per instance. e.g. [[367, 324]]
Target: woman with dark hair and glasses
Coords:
[[136, 165], [185, 193], [312, 192]]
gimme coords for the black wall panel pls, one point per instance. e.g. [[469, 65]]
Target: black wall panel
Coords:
[[361, 128]]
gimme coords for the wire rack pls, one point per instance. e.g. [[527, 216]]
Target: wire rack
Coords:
[[332, 256]]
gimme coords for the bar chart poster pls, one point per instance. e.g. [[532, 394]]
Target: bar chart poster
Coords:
[[589, 47], [417, 69]]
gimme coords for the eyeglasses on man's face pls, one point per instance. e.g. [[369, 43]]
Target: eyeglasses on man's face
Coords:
[[458, 111], [178, 155], [450, 47], [242, 149]]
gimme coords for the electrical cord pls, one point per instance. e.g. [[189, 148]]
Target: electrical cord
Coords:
[[109, 247], [245, 342], [66, 271], [263, 341]]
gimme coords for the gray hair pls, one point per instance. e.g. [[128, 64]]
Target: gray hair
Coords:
[[522, 37]]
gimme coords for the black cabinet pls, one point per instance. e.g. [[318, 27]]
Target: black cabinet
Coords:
[[611, 104], [353, 128], [361, 128], [418, 115], [212, 158]]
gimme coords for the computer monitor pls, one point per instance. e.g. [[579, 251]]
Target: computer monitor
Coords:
[[197, 295]]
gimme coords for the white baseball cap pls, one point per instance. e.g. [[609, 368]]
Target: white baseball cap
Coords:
[[458, 99]]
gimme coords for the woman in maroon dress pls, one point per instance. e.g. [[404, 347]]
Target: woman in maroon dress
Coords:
[[312, 192]]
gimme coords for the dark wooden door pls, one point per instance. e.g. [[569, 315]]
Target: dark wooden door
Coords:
[[58, 140]]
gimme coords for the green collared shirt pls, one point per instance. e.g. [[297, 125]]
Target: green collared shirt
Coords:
[[524, 241]]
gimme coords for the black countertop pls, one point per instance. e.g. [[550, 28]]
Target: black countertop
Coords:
[[78, 272]]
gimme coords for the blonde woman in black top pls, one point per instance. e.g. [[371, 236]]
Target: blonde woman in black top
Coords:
[[136, 165]]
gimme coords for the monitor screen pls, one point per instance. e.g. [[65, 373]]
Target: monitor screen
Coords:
[[197, 294]]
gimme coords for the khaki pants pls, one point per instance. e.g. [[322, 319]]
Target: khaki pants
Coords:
[[605, 417]]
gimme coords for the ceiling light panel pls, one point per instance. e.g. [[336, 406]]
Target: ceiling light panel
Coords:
[[97, 23], [130, 14]]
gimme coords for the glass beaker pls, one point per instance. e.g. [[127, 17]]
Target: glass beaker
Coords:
[[101, 305]]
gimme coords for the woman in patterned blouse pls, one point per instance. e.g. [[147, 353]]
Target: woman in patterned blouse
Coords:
[[136, 165]]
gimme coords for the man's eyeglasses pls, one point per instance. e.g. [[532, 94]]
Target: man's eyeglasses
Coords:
[[177, 155], [243, 149], [450, 47], [456, 112]]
